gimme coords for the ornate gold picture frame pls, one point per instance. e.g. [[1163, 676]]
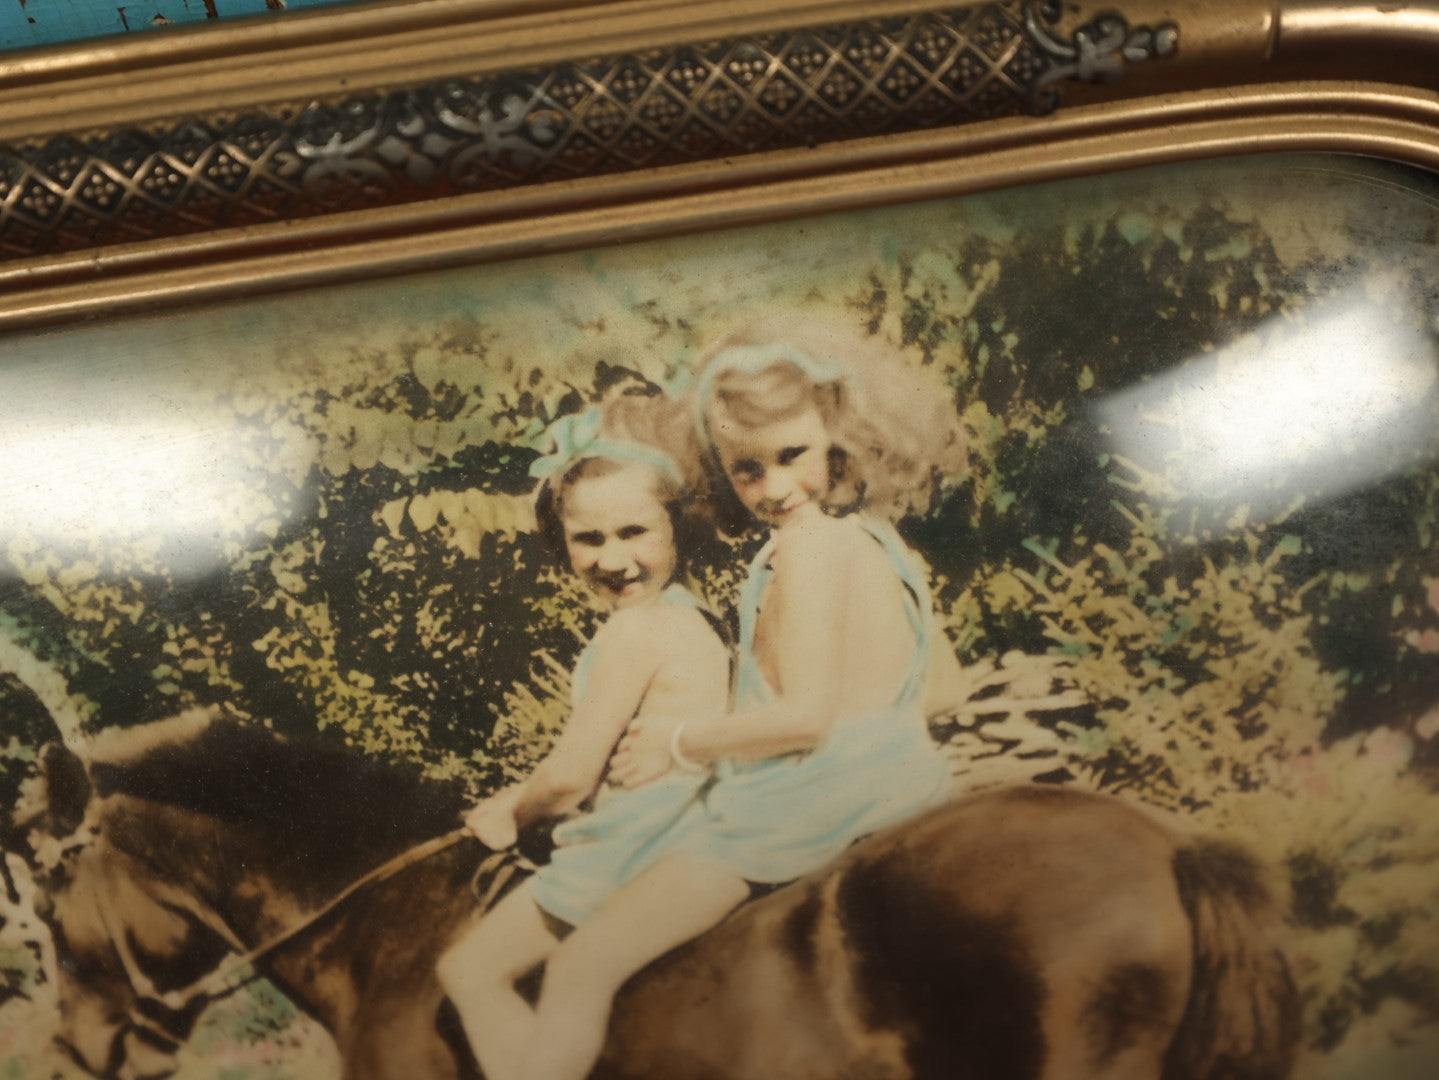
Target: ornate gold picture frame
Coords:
[[485, 127], [309, 328]]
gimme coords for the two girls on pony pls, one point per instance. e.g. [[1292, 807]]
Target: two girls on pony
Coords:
[[825, 438]]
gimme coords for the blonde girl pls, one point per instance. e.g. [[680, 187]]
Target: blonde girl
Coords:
[[825, 438], [617, 503]]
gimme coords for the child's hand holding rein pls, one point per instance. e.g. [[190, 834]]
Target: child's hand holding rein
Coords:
[[492, 821]]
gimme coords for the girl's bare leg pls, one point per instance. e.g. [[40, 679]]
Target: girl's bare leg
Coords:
[[479, 971], [677, 899]]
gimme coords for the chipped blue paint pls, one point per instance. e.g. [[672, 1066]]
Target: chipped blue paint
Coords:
[[28, 23]]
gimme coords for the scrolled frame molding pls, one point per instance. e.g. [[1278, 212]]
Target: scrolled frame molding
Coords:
[[525, 128], [739, 94]]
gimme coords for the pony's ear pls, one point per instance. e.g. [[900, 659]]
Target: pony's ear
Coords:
[[52, 799], [67, 788]]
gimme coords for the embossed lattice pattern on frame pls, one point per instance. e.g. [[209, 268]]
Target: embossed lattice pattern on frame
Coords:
[[605, 115]]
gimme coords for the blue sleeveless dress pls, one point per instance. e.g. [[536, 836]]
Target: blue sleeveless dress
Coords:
[[780, 818], [627, 831]]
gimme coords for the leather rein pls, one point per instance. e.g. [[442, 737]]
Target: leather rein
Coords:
[[217, 983]]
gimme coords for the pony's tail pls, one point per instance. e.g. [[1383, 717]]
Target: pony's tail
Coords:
[[1242, 1018]]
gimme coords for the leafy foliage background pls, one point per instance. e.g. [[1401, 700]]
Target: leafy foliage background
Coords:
[[1268, 668]]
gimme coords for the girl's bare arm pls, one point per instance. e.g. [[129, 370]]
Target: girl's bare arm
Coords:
[[625, 660], [809, 587]]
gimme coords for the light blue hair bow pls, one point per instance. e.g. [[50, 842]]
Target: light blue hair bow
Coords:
[[751, 360], [577, 436]]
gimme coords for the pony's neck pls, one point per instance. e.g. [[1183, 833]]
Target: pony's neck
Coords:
[[207, 870], [210, 862], [256, 817]]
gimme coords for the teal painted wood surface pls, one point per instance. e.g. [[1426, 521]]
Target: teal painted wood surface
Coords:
[[29, 23]]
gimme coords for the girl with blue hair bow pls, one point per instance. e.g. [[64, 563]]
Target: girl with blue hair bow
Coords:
[[616, 503], [824, 437]]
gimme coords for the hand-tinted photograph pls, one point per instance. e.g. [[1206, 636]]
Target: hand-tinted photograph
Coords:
[[995, 637]]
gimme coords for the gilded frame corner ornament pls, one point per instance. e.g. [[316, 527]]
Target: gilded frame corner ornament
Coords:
[[109, 162]]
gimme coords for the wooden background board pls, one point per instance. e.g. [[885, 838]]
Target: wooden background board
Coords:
[[28, 23]]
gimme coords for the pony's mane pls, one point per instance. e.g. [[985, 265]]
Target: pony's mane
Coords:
[[311, 811]]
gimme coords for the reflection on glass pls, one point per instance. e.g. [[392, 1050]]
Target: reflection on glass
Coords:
[[1323, 404], [101, 459]]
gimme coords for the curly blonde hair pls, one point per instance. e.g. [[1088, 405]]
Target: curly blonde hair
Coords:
[[649, 420], [893, 426]]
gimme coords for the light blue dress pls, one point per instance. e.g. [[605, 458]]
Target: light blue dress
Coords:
[[627, 831], [780, 818]]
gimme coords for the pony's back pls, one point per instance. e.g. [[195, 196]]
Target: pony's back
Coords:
[[1029, 932]]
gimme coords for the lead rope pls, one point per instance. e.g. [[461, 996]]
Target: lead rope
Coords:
[[213, 985]]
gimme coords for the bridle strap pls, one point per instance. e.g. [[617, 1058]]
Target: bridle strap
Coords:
[[495, 875], [214, 984], [154, 1030]]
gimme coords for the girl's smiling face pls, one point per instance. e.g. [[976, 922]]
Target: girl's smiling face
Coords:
[[779, 470], [618, 535]]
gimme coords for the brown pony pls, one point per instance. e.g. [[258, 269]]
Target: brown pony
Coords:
[[1030, 933]]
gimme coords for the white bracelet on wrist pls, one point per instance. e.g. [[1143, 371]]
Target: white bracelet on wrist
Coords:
[[682, 762]]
